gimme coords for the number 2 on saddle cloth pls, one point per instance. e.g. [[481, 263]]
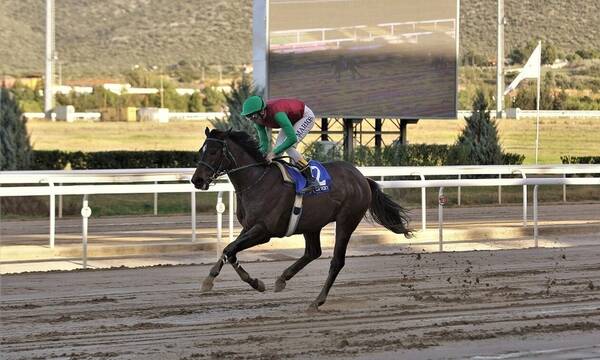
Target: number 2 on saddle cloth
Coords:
[[319, 173]]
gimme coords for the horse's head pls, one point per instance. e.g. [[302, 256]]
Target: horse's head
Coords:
[[215, 159]]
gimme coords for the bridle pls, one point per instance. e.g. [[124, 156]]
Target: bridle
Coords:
[[220, 171]]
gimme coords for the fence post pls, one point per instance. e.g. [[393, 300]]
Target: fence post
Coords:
[[524, 205], [231, 215], [459, 177], [564, 189], [535, 214], [52, 214], [499, 191], [423, 202], [524, 176], [155, 201], [220, 209], [86, 212], [60, 204], [442, 200], [193, 201]]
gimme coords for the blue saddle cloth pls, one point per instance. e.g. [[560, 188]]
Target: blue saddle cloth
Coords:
[[319, 173]]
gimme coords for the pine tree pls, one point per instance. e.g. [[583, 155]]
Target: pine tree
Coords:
[[240, 91], [478, 143], [15, 148]]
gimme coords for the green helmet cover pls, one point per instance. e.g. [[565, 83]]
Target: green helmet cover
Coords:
[[252, 104]]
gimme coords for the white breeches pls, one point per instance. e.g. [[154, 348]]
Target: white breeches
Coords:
[[302, 128]]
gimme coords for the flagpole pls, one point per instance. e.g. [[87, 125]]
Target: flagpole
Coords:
[[537, 124]]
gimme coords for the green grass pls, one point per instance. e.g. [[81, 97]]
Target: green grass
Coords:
[[90, 136], [558, 137]]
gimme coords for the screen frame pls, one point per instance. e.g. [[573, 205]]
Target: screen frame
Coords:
[[261, 61]]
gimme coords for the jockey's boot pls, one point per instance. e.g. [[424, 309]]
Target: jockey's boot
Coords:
[[311, 183]]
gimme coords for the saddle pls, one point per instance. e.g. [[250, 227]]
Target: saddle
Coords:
[[292, 175]]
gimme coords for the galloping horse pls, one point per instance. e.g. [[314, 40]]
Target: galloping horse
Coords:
[[265, 203]]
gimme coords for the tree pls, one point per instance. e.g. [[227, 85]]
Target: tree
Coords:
[[478, 143], [15, 147], [29, 100], [519, 55], [550, 99], [240, 91], [195, 103], [213, 99], [549, 53], [516, 56]]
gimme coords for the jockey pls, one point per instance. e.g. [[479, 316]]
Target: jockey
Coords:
[[295, 120]]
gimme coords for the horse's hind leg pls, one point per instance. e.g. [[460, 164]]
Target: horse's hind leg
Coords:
[[344, 229], [311, 252]]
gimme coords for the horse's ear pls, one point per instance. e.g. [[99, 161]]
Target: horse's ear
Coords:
[[207, 131]]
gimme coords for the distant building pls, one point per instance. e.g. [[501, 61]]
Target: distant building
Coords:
[[7, 81], [32, 81]]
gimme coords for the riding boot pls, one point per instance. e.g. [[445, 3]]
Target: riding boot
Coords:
[[311, 183]]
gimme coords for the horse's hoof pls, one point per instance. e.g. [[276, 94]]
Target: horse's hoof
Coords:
[[207, 284], [279, 285], [260, 286], [313, 308]]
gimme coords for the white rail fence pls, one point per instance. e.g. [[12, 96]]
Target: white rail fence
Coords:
[[139, 181]]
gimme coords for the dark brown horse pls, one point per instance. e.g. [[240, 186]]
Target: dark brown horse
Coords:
[[265, 203]]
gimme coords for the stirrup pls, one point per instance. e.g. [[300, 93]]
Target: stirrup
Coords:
[[311, 182], [311, 185]]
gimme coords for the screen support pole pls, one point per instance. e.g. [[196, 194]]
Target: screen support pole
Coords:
[[378, 128], [348, 139], [324, 129], [403, 129]]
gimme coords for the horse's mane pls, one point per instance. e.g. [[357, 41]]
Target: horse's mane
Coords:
[[247, 143]]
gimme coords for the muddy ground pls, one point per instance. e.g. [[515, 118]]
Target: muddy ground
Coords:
[[533, 303]]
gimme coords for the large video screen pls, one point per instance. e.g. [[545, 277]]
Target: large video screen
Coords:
[[365, 58]]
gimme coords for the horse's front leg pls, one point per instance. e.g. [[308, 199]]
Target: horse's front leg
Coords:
[[208, 282], [254, 236]]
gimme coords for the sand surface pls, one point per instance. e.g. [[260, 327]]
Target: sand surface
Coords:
[[532, 303]]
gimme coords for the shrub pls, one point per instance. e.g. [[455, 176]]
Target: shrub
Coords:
[[392, 155], [567, 159], [213, 99], [49, 160], [59, 160]]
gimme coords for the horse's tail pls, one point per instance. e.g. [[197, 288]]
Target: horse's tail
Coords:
[[386, 212]]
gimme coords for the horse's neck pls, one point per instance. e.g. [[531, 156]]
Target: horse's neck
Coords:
[[241, 179]]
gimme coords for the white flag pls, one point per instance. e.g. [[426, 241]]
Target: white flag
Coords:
[[530, 71]]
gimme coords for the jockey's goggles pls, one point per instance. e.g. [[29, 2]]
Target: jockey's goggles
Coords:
[[254, 116]]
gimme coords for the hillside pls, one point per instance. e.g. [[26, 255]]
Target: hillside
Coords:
[[110, 36]]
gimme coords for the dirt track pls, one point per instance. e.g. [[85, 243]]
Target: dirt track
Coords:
[[440, 305]]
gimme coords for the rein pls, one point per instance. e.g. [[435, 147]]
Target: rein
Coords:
[[219, 171]]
